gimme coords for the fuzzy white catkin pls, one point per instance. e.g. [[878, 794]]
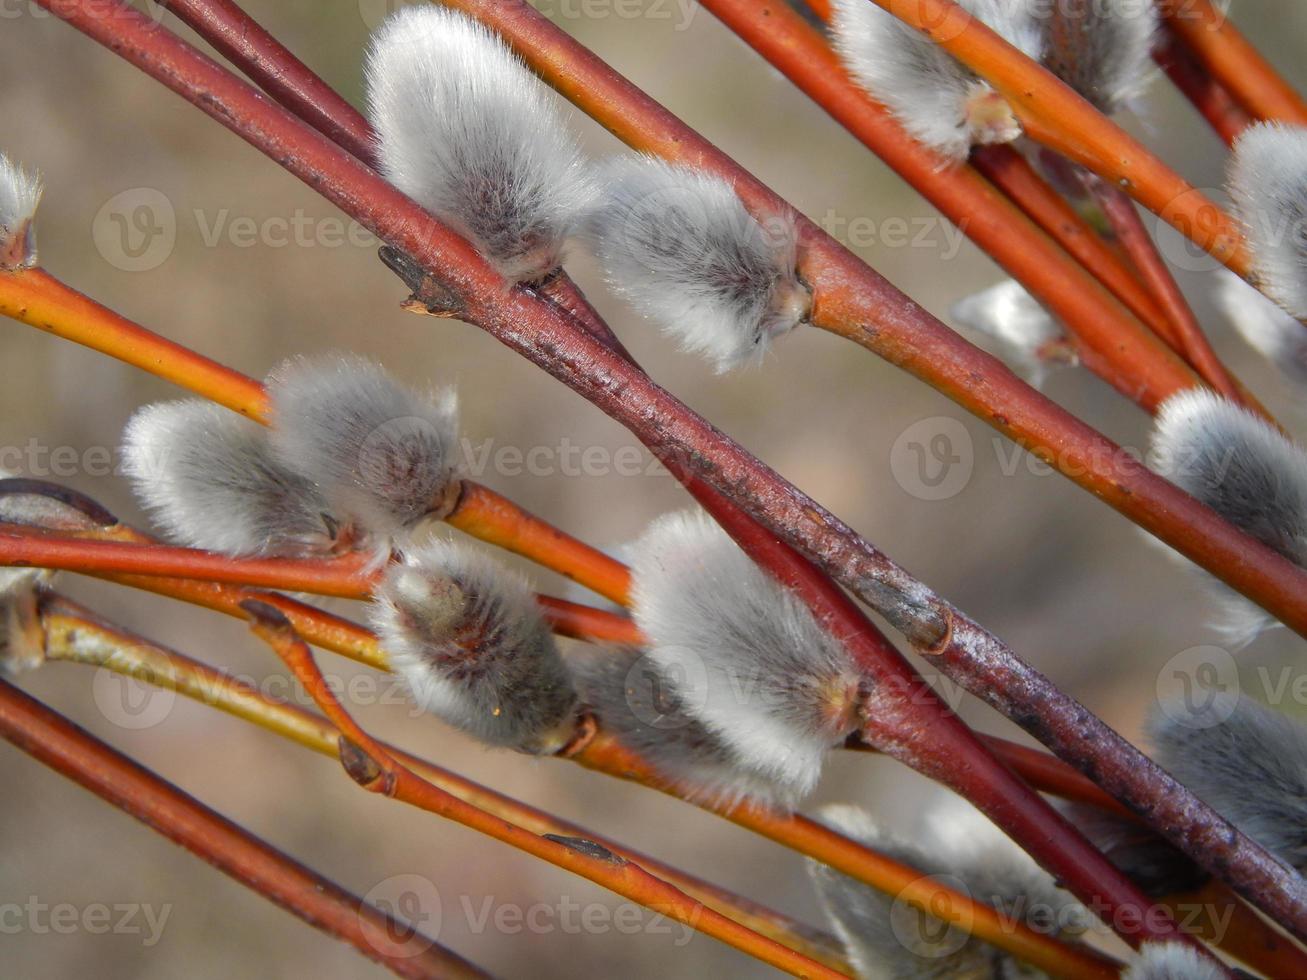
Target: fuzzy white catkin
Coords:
[[1101, 48], [932, 94], [1249, 762], [1269, 330], [469, 641], [469, 133], [884, 938], [1246, 471], [1027, 336], [210, 479], [20, 193], [382, 455], [750, 660], [1268, 183], [684, 251], [639, 705], [1172, 961]]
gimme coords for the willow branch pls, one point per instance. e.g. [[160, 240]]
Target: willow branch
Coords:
[[58, 743], [1053, 114], [552, 341], [1233, 61], [1209, 97]]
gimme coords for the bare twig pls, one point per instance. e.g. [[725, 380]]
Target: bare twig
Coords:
[[72, 752], [552, 341]]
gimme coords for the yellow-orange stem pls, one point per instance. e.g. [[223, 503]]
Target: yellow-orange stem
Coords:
[[1053, 114], [1233, 61]]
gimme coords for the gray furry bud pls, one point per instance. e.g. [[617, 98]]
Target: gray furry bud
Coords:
[[684, 251], [939, 101], [1027, 336], [1242, 468], [961, 850], [381, 455], [1269, 330], [1149, 860], [20, 193], [1249, 763], [751, 662], [642, 708], [210, 479], [469, 133], [1268, 183], [1172, 961], [468, 639], [1101, 48]]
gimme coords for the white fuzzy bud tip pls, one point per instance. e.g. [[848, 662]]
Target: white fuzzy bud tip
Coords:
[[20, 193], [468, 639], [210, 480], [469, 133], [1246, 471], [1269, 330], [939, 101], [382, 455], [1246, 760], [1268, 183], [750, 660], [684, 251], [640, 706], [961, 850], [1172, 961], [1101, 48], [1028, 338]]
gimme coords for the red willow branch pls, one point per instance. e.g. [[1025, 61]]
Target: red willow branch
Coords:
[[74, 753], [68, 625], [1053, 114], [1233, 61], [910, 709], [373, 767], [554, 342], [1212, 99]]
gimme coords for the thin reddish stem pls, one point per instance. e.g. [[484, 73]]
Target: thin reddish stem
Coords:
[[552, 341], [74, 753], [1055, 115], [1142, 250], [268, 63], [370, 765], [1230, 58], [1212, 99]]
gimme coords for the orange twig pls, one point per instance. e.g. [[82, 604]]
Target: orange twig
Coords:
[[67, 624], [370, 765], [603, 754], [1053, 114], [1233, 61], [1212, 99], [72, 752]]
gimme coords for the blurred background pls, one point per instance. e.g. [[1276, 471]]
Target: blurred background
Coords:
[[166, 217]]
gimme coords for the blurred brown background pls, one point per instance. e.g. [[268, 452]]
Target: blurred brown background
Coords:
[[1074, 588]]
